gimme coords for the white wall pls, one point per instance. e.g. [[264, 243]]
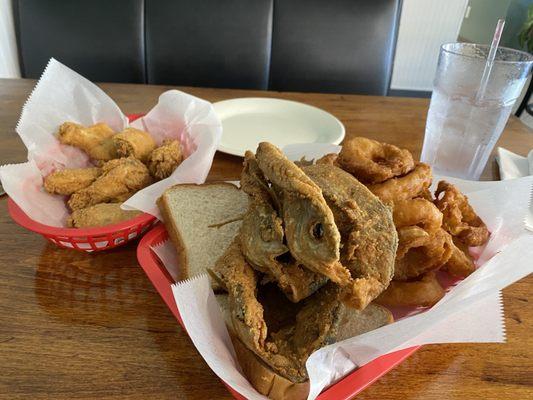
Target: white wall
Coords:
[[9, 66], [424, 26]]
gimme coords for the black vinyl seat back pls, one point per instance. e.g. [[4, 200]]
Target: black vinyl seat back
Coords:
[[209, 43], [103, 40], [341, 46], [344, 46]]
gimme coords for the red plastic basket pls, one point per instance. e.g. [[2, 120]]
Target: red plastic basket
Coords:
[[345, 389], [86, 239]]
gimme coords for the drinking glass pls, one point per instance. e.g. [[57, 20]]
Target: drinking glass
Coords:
[[461, 130]]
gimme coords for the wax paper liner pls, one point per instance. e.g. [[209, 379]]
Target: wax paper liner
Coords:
[[470, 312], [63, 95]]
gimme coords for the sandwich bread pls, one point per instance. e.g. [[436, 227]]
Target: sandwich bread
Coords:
[[202, 220]]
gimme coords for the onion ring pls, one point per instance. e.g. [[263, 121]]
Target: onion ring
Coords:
[[404, 187], [410, 237], [372, 162], [422, 254], [460, 263], [459, 218], [419, 212], [424, 292]]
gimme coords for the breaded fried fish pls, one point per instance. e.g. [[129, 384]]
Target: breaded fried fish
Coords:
[[367, 229]]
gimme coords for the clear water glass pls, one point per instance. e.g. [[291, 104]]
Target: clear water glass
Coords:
[[460, 130]]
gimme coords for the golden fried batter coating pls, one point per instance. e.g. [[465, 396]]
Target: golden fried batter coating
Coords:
[[419, 212], [68, 181], [422, 254], [95, 140], [134, 142], [369, 239], [165, 159], [373, 162], [423, 292], [262, 238], [460, 219], [409, 186], [100, 215], [312, 236], [460, 263], [330, 159], [120, 178], [285, 348]]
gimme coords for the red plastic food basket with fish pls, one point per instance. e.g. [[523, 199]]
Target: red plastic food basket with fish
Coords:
[[344, 389]]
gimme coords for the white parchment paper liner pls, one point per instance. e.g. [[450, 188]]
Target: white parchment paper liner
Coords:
[[470, 311], [63, 95]]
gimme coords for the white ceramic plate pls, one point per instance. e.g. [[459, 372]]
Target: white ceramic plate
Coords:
[[248, 121]]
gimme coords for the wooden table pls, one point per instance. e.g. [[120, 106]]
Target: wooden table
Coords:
[[82, 326]]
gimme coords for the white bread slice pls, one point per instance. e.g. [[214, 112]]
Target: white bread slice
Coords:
[[189, 211], [267, 382]]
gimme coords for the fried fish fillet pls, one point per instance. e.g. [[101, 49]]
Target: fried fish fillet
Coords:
[[367, 229], [286, 344], [262, 238], [68, 181], [120, 179], [310, 230]]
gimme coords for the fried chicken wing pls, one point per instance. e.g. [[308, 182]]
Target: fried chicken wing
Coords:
[[134, 142], [165, 159], [68, 181], [310, 230], [100, 215], [120, 179], [95, 140], [367, 232]]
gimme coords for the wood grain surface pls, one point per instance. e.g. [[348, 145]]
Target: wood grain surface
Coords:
[[82, 326]]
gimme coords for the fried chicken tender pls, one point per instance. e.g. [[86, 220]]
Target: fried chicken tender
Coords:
[[100, 215], [165, 159], [120, 179], [134, 142], [95, 140], [460, 219], [371, 161], [68, 181]]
